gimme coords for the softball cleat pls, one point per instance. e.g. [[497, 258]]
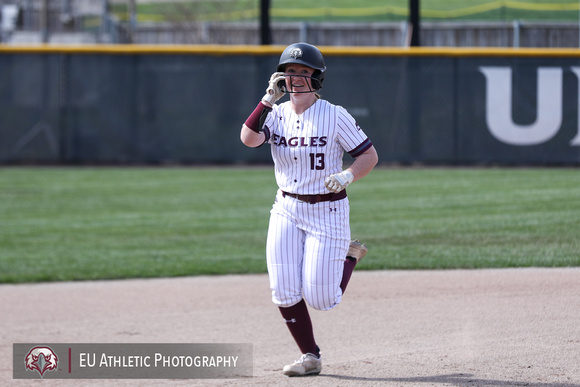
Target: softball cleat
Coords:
[[308, 364], [357, 250]]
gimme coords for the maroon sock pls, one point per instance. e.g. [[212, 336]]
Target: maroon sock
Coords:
[[298, 321], [349, 265]]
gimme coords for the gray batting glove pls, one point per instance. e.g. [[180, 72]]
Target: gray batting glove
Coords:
[[273, 92], [337, 182]]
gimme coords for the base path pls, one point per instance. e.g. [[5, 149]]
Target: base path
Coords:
[[504, 327]]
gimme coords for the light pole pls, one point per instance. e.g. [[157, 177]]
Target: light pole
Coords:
[[265, 33], [414, 22]]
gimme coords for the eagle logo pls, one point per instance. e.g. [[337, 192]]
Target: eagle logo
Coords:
[[296, 53], [41, 359]]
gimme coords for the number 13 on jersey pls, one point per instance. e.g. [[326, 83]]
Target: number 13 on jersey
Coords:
[[317, 161]]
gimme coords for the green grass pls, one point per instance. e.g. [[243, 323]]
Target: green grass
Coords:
[[102, 223], [470, 218], [359, 11]]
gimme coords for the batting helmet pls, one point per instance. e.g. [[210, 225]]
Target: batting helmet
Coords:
[[307, 55]]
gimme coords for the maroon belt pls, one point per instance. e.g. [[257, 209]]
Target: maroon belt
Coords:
[[312, 199]]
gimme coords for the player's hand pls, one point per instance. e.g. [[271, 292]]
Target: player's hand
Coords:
[[273, 92], [337, 182]]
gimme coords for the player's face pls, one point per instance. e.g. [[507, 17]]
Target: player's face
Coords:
[[298, 78]]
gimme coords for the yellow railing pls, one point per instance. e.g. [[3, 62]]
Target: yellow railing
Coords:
[[225, 50]]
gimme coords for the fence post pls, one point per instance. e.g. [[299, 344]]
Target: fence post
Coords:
[[266, 35], [414, 20], [516, 25]]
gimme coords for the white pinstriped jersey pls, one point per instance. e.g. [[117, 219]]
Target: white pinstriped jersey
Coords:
[[309, 147]]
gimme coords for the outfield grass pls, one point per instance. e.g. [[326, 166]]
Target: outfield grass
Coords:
[[103, 223], [356, 10]]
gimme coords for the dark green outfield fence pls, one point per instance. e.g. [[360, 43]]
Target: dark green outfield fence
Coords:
[[186, 104]]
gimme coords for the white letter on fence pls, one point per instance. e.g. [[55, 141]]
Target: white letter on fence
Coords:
[[576, 140], [498, 112]]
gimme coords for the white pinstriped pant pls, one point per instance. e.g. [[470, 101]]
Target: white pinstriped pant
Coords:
[[306, 249]]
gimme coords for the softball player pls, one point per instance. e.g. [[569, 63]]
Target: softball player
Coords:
[[309, 252]]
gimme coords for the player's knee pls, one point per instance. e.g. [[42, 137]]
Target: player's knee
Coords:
[[285, 300], [323, 303]]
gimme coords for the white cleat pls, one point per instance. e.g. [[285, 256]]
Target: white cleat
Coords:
[[357, 250], [308, 364]]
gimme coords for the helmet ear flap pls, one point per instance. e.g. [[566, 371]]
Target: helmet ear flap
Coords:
[[282, 85], [317, 79]]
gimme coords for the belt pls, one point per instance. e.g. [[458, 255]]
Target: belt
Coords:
[[312, 199]]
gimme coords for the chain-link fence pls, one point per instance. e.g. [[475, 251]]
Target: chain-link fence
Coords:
[[478, 23]]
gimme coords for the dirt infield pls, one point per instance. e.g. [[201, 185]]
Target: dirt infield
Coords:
[[509, 327]]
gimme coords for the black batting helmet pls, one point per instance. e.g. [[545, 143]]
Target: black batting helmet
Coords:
[[307, 55]]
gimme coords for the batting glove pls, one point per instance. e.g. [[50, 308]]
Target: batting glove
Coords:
[[273, 92], [337, 182]]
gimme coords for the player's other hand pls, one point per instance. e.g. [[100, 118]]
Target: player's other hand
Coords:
[[337, 182], [273, 92]]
